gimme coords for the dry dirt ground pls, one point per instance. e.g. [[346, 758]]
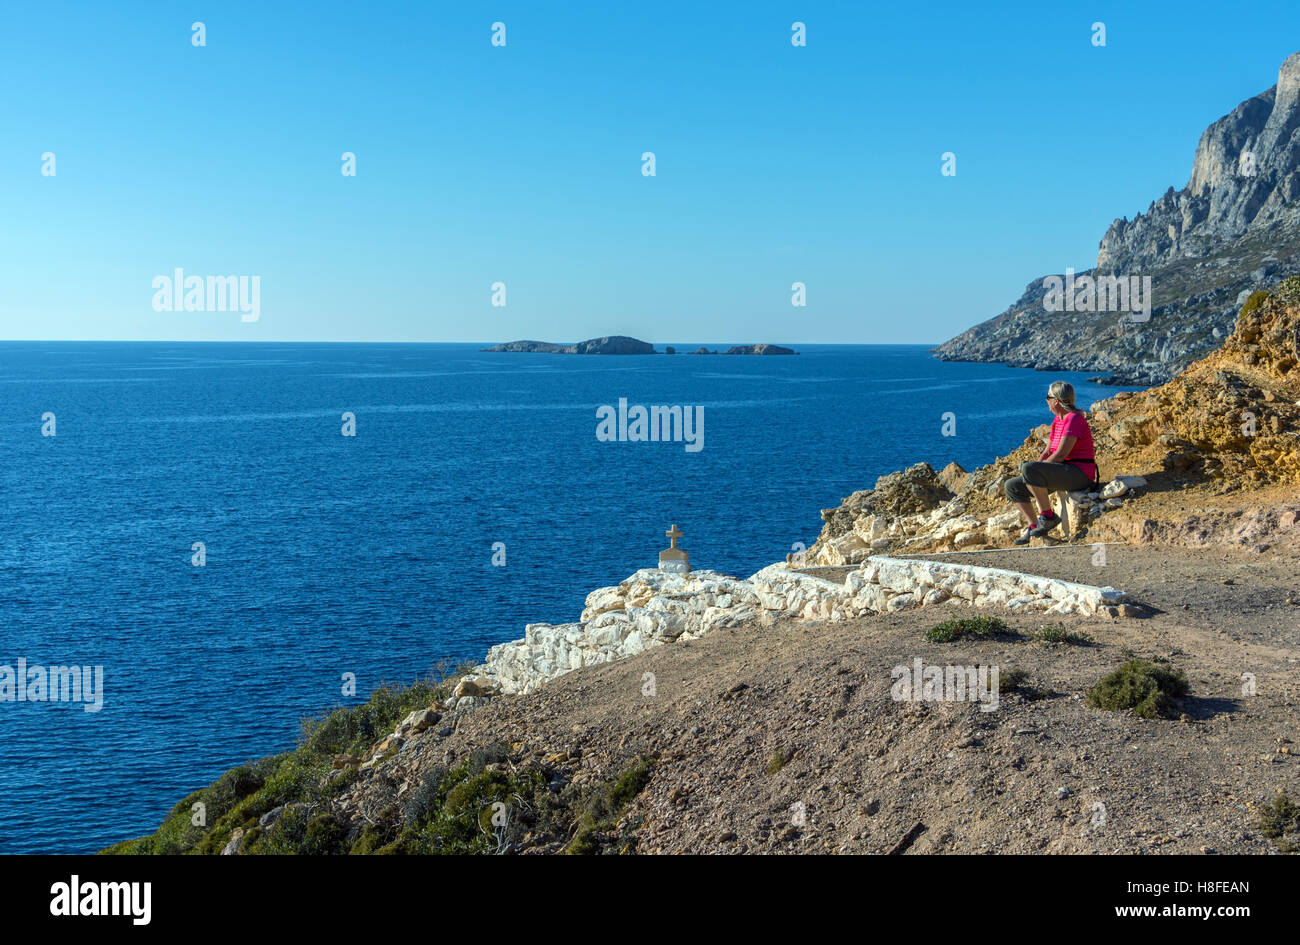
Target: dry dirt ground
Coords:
[[787, 740]]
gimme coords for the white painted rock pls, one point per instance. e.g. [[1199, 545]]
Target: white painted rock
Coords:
[[1114, 488]]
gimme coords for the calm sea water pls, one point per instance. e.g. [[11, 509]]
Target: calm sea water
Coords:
[[372, 554]]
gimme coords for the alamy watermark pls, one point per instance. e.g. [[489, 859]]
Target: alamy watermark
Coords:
[[654, 424], [923, 683], [181, 293], [53, 684], [78, 898], [1130, 294]]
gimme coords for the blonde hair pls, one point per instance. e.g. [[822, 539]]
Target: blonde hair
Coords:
[[1064, 392]]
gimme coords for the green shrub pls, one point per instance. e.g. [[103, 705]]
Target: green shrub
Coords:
[[981, 627], [1256, 299], [457, 811], [298, 832], [1150, 690], [1017, 680], [1287, 292], [352, 729], [1058, 634], [242, 795], [1278, 819], [602, 807]]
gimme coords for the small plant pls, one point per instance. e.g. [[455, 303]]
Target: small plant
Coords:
[[1278, 819], [1287, 292], [1058, 634], [602, 807], [981, 627], [1256, 299], [1149, 690], [1009, 680], [775, 763], [1017, 680]]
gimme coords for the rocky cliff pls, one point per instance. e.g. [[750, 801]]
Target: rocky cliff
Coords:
[[1211, 457], [1233, 229]]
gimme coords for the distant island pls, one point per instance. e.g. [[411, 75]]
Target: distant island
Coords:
[[759, 349], [613, 344], [622, 344]]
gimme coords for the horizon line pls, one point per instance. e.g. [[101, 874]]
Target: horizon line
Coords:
[[246, 341]]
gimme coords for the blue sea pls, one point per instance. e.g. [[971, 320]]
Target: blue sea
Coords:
[[372, 554]]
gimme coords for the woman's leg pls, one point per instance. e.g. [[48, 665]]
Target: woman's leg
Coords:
[[1019, 494], [1042, 499], [1042, 479]]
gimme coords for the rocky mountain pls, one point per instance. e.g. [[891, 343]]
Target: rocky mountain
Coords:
[[1233, 229], [612, 344]]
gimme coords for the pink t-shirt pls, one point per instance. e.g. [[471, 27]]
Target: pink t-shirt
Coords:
[[1074, 424]]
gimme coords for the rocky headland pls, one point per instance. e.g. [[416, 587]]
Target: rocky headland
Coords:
[[1232, 230], [703, 712]]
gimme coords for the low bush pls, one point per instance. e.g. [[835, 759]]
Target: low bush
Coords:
[[1148, 689], [1280, 818], [981, 627]]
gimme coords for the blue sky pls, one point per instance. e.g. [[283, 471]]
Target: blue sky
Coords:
[[522, 164]]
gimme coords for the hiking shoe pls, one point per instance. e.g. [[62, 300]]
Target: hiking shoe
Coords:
[[1045, 524], [1023, 539]]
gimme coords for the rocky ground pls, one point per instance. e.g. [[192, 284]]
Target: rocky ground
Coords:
[[747, 724]]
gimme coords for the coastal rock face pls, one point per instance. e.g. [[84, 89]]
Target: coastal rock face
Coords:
[[1245, 175], [759, 349], [1229, 422], [863, 522], [612, 344], [1233, 229]]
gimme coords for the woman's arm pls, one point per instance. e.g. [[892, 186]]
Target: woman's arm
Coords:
[[1062, 449]]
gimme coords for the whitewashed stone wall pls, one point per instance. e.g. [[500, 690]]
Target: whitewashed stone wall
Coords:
[[652, 607]]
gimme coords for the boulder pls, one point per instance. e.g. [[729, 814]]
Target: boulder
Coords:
[[1114, 489], [476, 687], [236, 843], [914, 489], [419, 720], [953, 477], [603, 599]]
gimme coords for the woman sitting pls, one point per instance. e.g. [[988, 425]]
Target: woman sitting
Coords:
[[1068, 464]]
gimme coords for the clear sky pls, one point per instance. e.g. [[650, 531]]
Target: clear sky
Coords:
[[522, 164]]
